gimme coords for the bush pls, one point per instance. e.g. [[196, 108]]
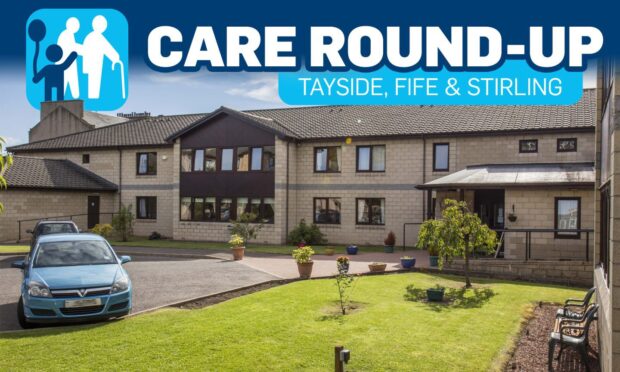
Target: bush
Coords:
[[303, 254], [246, 227], [103, 230], [155, 236], [390, 240], [309, 234], [123, 223]]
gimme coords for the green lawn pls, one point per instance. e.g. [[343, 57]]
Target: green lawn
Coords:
[[14, 248], [252, 247], [292, 328]]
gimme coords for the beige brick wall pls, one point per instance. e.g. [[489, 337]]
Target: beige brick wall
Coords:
[[29, 204]]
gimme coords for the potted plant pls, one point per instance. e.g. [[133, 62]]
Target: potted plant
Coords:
[[329, 251], [512, 217], [435, 294], [377, 267], [303, 257], [342, 263], [237, 246], [407, 262], [433, 256], [389, 242], [352, 250]]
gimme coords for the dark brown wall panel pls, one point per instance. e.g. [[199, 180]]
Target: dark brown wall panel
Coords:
[[227, 131]]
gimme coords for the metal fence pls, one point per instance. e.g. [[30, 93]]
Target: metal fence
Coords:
[[81, 220]]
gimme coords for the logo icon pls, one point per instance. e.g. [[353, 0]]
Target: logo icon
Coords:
[[82, 292], [77, 54]]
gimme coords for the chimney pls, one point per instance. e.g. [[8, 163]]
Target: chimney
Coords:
[[76, 107]]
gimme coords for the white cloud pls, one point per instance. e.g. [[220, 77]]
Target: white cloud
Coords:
[[263, 89]]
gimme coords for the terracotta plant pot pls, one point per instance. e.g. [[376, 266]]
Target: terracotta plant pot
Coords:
[[377, 268], [238, 253], [305, 269]]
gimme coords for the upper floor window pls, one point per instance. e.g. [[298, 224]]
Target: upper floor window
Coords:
[[567, 217], [370, 211], [227, 160], [210, 160], [269, 158], [199, 160], [243, 159], [257, 158], [567, 144], [441, 156], [528, 146], [327, 159], [327, 210], [187, 158], [85, 158], [146, 207], [371, 158], [146, 163]]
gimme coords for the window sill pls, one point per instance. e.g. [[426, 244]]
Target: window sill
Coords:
[[146, 220], [328, 225], [370, 227]]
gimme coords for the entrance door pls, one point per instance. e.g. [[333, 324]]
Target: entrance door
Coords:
[[93, 211], [489, 205]]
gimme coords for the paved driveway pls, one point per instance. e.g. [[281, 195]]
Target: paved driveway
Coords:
[[157, 281]]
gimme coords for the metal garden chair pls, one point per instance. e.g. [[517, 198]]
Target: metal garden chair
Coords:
[[574, 333], [575, 308]]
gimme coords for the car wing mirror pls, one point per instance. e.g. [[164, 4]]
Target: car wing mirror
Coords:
[[125, 259], [21, 264]]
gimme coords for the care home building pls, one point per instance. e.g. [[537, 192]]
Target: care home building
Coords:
[[356, 171]]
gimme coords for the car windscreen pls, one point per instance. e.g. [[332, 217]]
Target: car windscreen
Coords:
[[56, 228], [73, 253]]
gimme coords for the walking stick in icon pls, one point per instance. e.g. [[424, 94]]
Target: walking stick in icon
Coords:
[[120, 63], [36, 32]]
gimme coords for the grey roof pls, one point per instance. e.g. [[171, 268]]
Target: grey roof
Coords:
[[38, 173], [322, 122], [149, 131], [102, 120], [560, 174]]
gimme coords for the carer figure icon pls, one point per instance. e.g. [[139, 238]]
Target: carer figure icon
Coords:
[[94, 49]]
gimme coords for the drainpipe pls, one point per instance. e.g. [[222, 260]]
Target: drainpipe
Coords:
[[288, 165], [120, 178], [424, 177]]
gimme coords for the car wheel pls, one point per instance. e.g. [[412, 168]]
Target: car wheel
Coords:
[[21, 317]]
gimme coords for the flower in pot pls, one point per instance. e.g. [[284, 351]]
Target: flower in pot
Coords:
[[329, 251], [407, 262], [237, 245], [342, 263], [303, 257], [435, 294], [389, 242], [377, 267], [352, 250]]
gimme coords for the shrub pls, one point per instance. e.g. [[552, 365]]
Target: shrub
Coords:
[[155, 236], [123, 222], [103, 230], [390, 240], [309, 234], [303, 254], [236, 240], [245, 227]]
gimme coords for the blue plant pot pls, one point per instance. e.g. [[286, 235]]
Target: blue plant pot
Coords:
[[433, 260], [352, 249], [407, 263], [435, 294]]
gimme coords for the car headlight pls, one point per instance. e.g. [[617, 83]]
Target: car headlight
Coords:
[[37, 289], [121, 284]]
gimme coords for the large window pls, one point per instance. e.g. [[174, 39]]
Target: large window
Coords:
[[226, 209], [243, 159], [146, 163], [199, 160], [567, 145], [227, 160], [528, 146], [187, 158], [371, 158], [269, 158], [186, 209], [370, 211], [567, 217], [146, 207], [257, 158], [327, 159], [327, 210], [210, 160], [441, 156]]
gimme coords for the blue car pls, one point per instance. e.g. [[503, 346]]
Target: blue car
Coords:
[[72, 278]]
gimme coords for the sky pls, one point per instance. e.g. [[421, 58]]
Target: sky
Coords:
[[161, 94]]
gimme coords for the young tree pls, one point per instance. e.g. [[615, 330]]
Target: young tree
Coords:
[[457, 234], [246, 227], [123, 222], [5, 162]]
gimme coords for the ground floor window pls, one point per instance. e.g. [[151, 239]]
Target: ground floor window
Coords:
[[370, 211], [226, 209], [567, 217], [327, 210], [146, 207]]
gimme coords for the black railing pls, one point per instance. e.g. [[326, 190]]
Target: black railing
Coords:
[[70, 217], [528, 237]]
